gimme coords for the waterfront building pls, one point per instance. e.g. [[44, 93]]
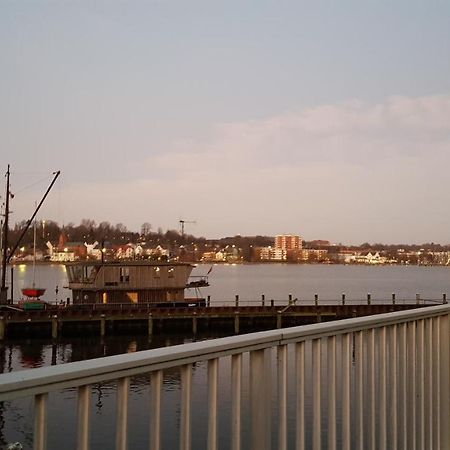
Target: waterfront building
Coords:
[[288, 242]]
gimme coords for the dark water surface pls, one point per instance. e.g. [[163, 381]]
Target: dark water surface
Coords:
[[249, 281]]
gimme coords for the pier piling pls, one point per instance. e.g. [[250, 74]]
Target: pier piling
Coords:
[[54, 327], [150, 324], [2, 328], [102, 325], [279, 320], [194, 324], [236, 322]]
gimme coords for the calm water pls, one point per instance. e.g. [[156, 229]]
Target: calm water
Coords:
[[249, 281], [277, 281]]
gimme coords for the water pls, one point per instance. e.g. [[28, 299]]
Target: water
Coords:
[[249, 281], [277, 281]]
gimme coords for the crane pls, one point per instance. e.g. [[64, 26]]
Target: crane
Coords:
[[182, 222]]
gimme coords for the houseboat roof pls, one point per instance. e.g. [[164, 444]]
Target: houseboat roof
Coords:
[[129, 263]]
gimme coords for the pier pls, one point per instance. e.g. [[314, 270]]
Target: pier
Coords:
[[233, 317], [374, 382]]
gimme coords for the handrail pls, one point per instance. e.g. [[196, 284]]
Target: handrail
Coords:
[[47, 379]]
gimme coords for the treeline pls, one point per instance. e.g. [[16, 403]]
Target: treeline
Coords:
[[89, 231]]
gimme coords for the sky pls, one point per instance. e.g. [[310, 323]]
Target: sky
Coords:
[[328, 119]]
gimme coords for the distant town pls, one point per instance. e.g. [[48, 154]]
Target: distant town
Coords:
[[89, 241]]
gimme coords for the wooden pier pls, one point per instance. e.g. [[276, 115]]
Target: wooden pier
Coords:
[[120, 318]]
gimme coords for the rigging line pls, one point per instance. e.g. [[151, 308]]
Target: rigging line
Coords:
[[32, 184]]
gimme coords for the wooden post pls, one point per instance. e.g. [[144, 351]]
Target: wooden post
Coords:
[[236, 322], [102, 325], [290, 299], [393, 298], [194, 324], [237, 301], [208, 301], [272, 303], [343, 298], [278, 320], [417, 299], [444, 299], [2, 328], [54, 327], [369, 299], [316, 299], [263, 300], [150, 324]]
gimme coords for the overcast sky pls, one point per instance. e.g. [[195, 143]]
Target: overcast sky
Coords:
[[326, 119]]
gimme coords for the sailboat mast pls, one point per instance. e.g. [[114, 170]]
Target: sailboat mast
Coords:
[[3, 288], [34, 252]]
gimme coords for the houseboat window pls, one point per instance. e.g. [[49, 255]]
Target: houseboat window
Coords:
[[133, 297], [75, 274], [124, 275], [156, 272], [90, 272], [171, 272]]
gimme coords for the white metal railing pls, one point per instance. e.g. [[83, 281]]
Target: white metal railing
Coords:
[[377, 382]]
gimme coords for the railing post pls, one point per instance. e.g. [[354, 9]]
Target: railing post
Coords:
[[40, 422], [282, 396], [122, 414], [343, 298], [185, 421], [444, 378], [300, 395], [272, 303], [346, 390], [84, 402], [393, 298], [369, 299], [260, 396], [290, 299], [263, 300], [331, 371], [208, 301], [236, 301], [212, 403], [156, 380], [236, 382], [444, 298], [317, 395], [316, 299]]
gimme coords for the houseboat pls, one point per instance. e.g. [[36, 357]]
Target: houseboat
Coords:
[[133, 282]]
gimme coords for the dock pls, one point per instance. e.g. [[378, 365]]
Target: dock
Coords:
[[112, 319]]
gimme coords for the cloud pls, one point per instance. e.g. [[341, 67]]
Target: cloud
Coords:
[[351, 132], [349, 172]]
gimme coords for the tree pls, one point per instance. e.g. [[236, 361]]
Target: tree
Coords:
[[146, 228]]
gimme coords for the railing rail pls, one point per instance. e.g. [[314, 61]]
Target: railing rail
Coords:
[[401, 356]]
